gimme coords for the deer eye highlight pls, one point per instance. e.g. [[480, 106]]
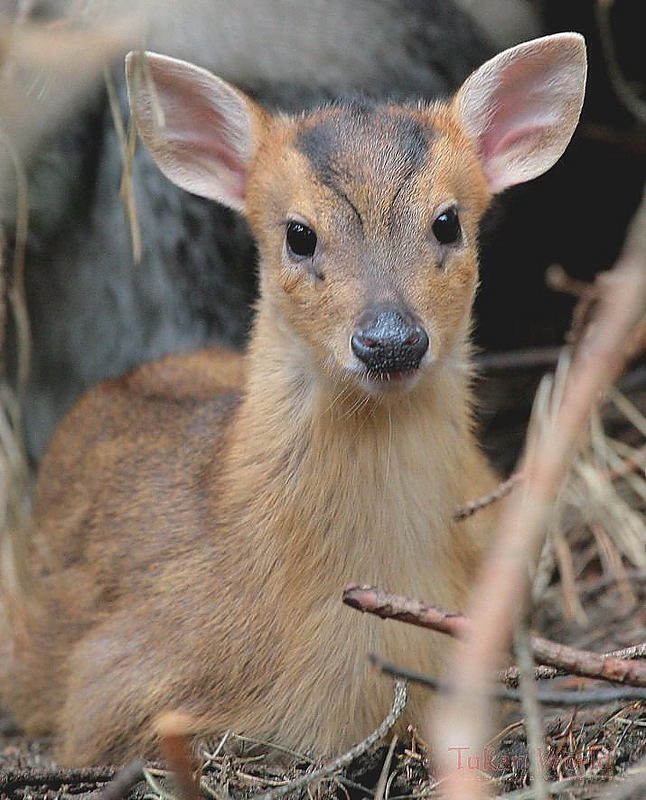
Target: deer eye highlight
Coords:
[[446, 227], [301, 240]]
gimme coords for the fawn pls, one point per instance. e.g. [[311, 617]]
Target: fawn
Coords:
[[198, 517]]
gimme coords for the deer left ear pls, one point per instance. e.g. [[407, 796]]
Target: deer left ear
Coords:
[[522, 106], [199, 129]]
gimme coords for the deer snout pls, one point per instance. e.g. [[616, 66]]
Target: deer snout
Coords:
[[389, 342]]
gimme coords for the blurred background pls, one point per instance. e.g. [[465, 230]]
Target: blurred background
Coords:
[[106, 264]]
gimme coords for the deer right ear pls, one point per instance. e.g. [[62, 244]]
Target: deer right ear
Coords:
[[521, 107], [199, 130]]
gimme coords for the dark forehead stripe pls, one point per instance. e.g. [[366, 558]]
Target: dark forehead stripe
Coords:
[[357, 137]]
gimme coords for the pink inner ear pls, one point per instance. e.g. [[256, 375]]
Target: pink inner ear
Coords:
[[204, 140], [522, 108], [510, 140]]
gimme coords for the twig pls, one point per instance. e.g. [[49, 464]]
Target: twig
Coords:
[[604, 666], [510, 677], [172, 728], [555, 789], [525, 358], [123, 781], [326, 771], [127, 142], [531, 708], [589, 665], [628, 141], [272, 746], [635, 464], [631, 100], [571, 602], [380, 789], [506, 574], [473, 506], [17, 295], [159, 790], [414, 612], [634, 778], [559, 280], [636, 651], [13, 779], [3, 300], [546, 697]]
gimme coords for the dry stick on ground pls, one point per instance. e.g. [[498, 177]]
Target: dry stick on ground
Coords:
[[13, 779], [510, 676], [329, 769], [173, 729], [561, 698], [634, 780], [123, 781], [506, 573], [590, 665], [530, 704], [555, 789], [605, 666]]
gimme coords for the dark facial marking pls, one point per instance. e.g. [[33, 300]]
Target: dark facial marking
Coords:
[[413, 141], [360, 139]]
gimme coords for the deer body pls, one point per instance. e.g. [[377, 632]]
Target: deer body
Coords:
[[200, 517]]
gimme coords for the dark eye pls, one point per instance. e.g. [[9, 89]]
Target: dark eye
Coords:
[[301, 240], [446, 227]]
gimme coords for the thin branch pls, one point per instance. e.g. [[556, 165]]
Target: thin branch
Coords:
[[526, 358], [563, 698], [414, 612], [590, 665], [127, 143], [380, 790], [328, 770], [631, 100], [172, 728], [634, 780], [12, 779], [530, 703], [555, 789], [635, 464], [552, 445], [473, 506], [628, 141], [559, 280], [510, 677], [635, 651], [17, 293], [123, 781], [603, 666]]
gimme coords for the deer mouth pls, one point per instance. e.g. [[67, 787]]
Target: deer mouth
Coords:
[[390, 380]]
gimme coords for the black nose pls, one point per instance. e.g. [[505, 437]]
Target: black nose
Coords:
[[389, 341]]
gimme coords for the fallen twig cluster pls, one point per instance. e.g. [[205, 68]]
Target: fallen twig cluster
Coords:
[[618, 667], [563, 412]]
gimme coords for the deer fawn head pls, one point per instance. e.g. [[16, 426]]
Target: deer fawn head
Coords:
[[366, 215]]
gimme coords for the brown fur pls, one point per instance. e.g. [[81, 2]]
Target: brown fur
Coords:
[[198, 518]]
